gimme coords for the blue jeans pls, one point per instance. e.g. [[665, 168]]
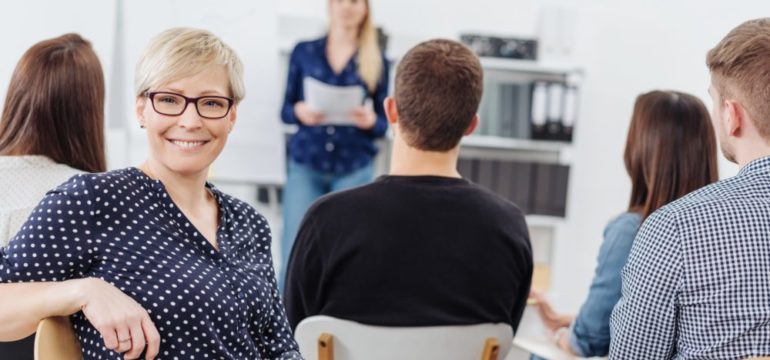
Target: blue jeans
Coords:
[[303, 186]]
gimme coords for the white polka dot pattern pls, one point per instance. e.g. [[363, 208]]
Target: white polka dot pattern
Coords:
[[122, 226]]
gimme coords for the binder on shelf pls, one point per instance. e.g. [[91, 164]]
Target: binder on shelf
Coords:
[[507, 113], [522, 188], [510, 185], [555, 111], [559, 181], [505, 180], [539, 109], [570, 112], [465, 168], [487, 174], [521, 127], [541, 178]]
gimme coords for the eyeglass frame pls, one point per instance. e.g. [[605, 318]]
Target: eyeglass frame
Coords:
[[151, 95]]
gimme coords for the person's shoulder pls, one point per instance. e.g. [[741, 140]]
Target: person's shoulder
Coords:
[[706, 197], [494, 201], [307, 47], [626, 220], [345, 198]]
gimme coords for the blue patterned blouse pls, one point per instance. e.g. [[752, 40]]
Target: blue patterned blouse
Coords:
[[330, 148]]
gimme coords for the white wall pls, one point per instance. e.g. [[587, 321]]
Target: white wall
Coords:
[[626, 47]]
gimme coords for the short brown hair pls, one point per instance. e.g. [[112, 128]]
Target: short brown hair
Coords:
[[438, 90], [670, 149], [55, 105], [740, 68]]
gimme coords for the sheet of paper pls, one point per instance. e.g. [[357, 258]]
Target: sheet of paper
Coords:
[[335, 102]]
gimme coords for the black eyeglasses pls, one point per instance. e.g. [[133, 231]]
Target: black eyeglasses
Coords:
[[172, 104]]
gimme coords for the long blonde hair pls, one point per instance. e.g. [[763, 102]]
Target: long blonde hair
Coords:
[[369, 54]]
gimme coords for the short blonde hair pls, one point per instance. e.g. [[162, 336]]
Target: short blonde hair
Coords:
[[181, 52], [739, 68]]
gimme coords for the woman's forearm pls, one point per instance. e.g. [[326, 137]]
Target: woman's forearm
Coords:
[[23, 305]]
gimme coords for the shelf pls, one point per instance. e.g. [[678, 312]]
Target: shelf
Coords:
[[498, 142], [544, 221], [527, 66], [501, 148]]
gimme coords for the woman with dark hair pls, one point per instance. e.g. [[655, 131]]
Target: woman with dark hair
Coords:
[[51, 128], [670, 151]]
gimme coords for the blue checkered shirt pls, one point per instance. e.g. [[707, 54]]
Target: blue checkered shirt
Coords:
[[697, 281]]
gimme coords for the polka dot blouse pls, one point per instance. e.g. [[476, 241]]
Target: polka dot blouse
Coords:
[[122, 226]]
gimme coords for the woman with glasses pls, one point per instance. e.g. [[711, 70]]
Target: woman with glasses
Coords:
[[154, 260], [324, 157], [52, 128]]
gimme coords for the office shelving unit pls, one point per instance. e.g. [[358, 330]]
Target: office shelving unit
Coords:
[[517, 145]]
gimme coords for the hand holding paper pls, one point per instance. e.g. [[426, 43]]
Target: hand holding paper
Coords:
[[336, 103], [363, 116]]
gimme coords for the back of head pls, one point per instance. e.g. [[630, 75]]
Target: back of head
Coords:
[[740, 69], [178, 53], [55, 105], [670, 149], [438, 89]]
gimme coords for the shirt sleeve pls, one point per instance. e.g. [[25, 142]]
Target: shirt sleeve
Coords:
[[303, 274], [378, 97], [275, 340], [55, 243], [294, 91], [643, 323], [590, 332]]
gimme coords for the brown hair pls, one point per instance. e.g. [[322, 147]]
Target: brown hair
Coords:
[[438, 90], [55, 105], [670, 150], [740, 68]]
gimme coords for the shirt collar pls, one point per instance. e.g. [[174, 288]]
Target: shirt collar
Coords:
[[756, 165]]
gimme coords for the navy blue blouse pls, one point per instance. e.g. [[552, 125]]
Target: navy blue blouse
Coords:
[[123, 227], [329, 148]]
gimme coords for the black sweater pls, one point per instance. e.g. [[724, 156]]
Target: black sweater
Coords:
[[411, 251]]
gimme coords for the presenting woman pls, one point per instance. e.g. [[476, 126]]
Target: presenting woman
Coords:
[[155, 259], [324, 156], [670, 151]]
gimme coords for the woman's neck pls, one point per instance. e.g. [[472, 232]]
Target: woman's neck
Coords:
[[342, 37], [187, 192]]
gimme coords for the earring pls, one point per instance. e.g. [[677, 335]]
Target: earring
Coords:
[[141, 126]]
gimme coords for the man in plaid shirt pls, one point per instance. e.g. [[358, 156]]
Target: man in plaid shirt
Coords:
[[697, 282]]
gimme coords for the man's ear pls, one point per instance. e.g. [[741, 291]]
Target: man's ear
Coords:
[[473, 125], [735, 117], [391, 111], [139, 107]]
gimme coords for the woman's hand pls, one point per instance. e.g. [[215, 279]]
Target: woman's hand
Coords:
[[124, 325], [363, 117], [306, 115], [551, 319]]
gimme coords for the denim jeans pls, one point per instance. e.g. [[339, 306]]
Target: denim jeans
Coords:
[[304, 186]]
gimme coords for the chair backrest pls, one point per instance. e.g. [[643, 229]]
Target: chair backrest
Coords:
[[56, 340], [319, 336]]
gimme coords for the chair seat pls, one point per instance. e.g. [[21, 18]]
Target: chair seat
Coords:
[[56, 340], [352, 340]]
